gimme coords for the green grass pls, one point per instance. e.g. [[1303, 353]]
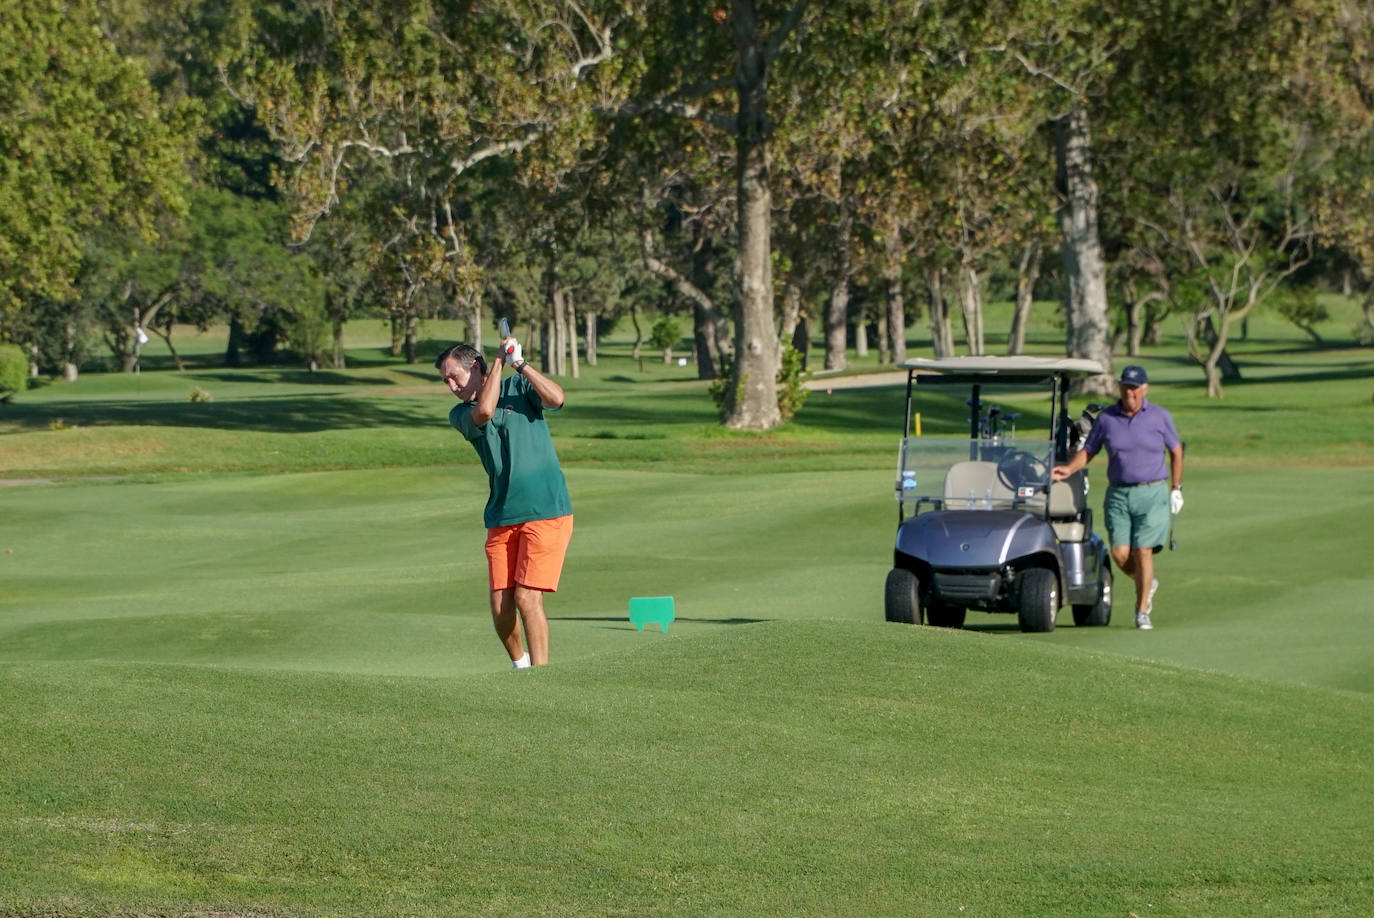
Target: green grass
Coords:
[[246, 665]]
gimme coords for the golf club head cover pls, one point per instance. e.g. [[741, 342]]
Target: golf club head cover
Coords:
[[1175, 500]]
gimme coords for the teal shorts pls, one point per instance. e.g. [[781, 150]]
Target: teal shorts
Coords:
[[1138, 517]]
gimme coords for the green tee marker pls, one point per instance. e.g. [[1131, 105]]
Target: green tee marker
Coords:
[[646, 609]]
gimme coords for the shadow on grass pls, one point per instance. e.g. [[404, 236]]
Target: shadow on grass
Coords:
[[293, 414], [294, 377], [625, 620]]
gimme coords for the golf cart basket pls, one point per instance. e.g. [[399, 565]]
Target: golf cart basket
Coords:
[[981, 525]]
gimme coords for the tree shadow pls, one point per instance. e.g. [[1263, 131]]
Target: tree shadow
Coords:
[[624, 619], [285, 414], [298, 377]]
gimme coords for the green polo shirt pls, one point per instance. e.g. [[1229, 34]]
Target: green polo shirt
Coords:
[[517, 453]]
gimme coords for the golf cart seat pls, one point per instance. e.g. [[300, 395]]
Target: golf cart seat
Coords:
[[972, 484], [1068, 498]]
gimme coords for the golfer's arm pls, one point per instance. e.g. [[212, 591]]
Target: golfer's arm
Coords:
[[1176, 467], [487, 397], [550, 393], [1079, 461]]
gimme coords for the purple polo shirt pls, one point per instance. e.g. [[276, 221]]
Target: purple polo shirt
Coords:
[[1135, 445]]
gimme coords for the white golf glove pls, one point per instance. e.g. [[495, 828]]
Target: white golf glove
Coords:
[[512, 352], [1175, 500]]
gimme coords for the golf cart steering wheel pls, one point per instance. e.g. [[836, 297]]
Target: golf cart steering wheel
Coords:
[[1019, 467]]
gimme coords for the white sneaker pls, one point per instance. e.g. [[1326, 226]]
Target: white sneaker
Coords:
[[1150, 600], [1142, 621]]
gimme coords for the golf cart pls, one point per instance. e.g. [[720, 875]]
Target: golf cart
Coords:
[[980, 525]]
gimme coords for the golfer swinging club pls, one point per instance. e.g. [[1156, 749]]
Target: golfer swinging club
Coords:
[[1136, 434], [528, 514]]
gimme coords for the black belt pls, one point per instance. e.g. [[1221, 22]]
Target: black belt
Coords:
[[1137, 484]]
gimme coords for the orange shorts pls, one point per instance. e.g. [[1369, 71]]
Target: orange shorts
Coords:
[[529, 554]]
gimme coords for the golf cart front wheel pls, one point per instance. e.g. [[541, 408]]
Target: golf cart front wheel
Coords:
[[1039, 600], [901, 597], [1097, 614]]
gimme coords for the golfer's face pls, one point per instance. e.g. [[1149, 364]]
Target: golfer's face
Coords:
[[463, 382], [1132, 397]]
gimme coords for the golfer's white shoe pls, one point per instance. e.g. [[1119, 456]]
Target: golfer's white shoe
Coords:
[[1142, 621], [1150, 601]]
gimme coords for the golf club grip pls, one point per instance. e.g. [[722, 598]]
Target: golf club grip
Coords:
[[505, 333]]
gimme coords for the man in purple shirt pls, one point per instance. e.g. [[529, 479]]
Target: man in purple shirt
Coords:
[[1136, 434]]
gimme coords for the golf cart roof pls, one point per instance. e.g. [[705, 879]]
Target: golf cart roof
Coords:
[[1000, 369]]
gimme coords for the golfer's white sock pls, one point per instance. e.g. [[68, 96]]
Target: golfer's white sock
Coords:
[[522, 662]]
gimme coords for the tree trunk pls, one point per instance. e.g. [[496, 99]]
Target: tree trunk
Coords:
[[837, 315], [704, 340], [860, 338], [801, 340], [1085, 295], [69, 367], [752, 398], [1218, 364], [339, 361], [791, 310], [571, 325], [557, 347], [412, 337], [1027, 273], [639, 332], [396, 333], [896, 305], [971, 298], [590, 319], [941, 335], [705, 316]]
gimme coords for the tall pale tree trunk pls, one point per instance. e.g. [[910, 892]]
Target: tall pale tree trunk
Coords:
[[1027, 273], [837, 325], [896, 305], [791, 310], [571, 326], [971, 299], [941, 335], [558, 364], [589, 319], [837, 314], [1085, 295], [752, 399]]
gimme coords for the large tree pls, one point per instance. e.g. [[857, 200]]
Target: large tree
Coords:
[[82, 142]]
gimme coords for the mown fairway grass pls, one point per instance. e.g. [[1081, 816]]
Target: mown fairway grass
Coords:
[[246, 665]]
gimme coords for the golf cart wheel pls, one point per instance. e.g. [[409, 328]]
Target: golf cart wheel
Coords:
[[901, 597], [942, 615], [1039, 600], [1098, 614]]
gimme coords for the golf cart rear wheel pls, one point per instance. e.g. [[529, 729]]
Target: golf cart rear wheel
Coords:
[[942, 615], [902, 597], [1039, 600], [1098, 614]]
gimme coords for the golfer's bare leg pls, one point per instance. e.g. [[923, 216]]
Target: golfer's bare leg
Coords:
[[506, 619], [531, 606], [1143, 561]]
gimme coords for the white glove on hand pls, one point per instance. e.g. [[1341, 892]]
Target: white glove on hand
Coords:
[[512, 352], [1175, 500]]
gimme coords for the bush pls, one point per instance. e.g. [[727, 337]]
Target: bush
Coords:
[[14, 371]]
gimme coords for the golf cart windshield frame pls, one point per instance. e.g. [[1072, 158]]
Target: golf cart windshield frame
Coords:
[[976, 372], [1019, 371]]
